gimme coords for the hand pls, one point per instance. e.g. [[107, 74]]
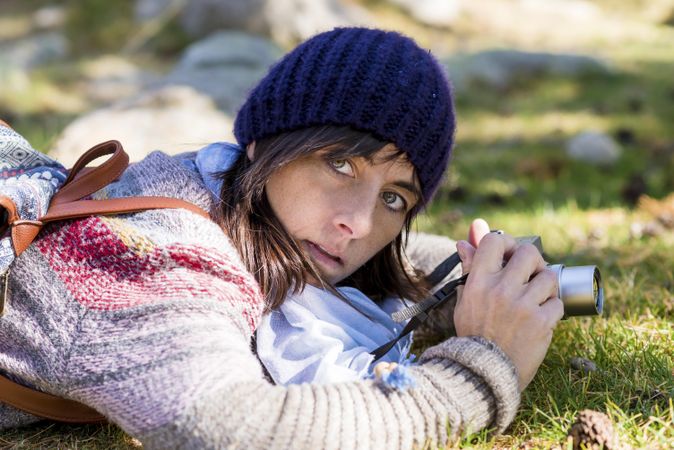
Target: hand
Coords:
[[516, 305]]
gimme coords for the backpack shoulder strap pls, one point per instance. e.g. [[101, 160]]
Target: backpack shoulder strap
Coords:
[[83, 181], [46, 405]]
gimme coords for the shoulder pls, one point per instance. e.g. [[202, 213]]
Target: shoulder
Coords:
[[159, 174]]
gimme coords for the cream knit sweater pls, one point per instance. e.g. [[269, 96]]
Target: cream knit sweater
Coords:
[[148, 318]]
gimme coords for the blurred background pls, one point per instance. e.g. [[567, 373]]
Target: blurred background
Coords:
[[564, 106]]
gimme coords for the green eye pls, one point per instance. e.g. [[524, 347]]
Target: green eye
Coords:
[[393, 201], [341, 166]]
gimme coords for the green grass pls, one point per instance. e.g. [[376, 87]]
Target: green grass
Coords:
[[510, 167], [632, 344], [68, 437]]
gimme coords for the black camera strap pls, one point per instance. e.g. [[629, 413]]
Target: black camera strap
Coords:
[[419, 312]]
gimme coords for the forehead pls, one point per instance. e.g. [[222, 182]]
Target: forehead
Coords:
[[390, 153]]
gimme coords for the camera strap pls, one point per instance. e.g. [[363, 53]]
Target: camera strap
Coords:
[[418, 313]]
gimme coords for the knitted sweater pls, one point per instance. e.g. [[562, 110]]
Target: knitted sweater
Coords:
[[148, 318]]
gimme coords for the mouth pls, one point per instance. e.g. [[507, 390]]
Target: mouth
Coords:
[[322, 256]]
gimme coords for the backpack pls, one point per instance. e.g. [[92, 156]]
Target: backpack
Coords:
[[68, 203]]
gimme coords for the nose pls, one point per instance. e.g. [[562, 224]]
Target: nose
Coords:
[[356, 218]]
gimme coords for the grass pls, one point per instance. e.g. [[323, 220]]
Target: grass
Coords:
[[631, 344], [510, 167]]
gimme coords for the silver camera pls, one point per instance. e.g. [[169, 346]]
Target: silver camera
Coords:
[[580, 287]]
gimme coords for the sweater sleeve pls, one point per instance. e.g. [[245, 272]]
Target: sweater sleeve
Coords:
[[180, 374], [219, 398]]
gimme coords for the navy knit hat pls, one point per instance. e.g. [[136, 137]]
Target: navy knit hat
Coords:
[[372, 80]]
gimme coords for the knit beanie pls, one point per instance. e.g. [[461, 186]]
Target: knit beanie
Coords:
[[374, 81]]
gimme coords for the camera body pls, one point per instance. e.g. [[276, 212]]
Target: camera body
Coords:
[[579, 287]]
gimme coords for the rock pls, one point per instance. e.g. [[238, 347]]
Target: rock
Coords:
[[224, 66], [146, 10], [594, 148], [593, 430], [285, 21], [585, 365], [172, 119], [49, 17], [500, 69], [33, 51], [112, 78], [436, 13]]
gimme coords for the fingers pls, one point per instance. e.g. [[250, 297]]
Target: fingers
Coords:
[[466, 253], [492, 251], [478, 229], [525, 261], [552, 311], [543, 286]]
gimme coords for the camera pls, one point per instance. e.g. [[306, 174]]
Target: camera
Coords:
[[579, 287]]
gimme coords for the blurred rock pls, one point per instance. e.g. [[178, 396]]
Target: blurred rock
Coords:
[[33, 51], [500, 69], [145, 10], [436, 13], [594, 148], [285, 21], [112, 78], [172, 119], [224, 66], [49, 17]]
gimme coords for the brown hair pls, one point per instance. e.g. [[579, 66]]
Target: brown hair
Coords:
[[274, 257]]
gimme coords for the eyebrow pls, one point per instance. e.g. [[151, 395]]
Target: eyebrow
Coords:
[[411, 187]]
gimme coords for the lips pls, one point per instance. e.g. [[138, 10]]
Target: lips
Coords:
[[322, 255]]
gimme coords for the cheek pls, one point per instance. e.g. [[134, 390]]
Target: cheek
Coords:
[[294, 200], [385, 230]]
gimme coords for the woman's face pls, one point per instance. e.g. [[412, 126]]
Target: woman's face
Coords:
[[342, 212]]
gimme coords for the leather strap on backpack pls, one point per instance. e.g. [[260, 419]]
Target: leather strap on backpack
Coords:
[[67, 203], [46, 405], [81, 182]]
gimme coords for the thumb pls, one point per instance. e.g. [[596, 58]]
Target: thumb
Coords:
[[478, 229]]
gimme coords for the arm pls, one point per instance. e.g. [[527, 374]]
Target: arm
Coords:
[[176, 370]]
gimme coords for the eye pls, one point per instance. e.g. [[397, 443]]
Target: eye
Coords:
[[342, 166], [394, 201]]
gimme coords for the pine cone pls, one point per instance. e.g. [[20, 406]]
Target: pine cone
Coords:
[[594, 430]]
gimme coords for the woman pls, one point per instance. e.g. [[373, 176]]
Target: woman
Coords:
[[148, 317]]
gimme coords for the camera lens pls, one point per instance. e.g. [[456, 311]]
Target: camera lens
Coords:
[[580, 289]]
